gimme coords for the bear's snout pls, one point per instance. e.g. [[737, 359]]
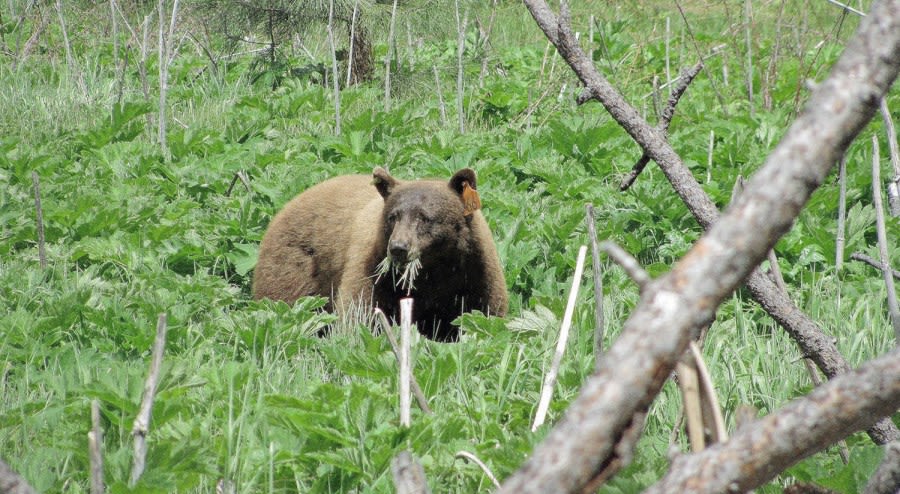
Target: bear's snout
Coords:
[[399, 250]]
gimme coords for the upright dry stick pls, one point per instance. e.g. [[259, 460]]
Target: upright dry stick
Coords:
[[165, 52], [484, 468], [413, 383], [550, 378], [713, 420], [142, 422], [115, 37], [460, 49], [893, 309], [387, 59], [406, 306], [749, 46], [95, 449], [440, 94], [668, 66], [334, 70], [893, 188], [39, 213], [70, 59], [353, 17], [689, 384], [598, 283], [842, 215]]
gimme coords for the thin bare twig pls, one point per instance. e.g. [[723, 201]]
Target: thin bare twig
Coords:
[[335, 85], [550, 378], [460, 50], [142, 422], [893, 188], [632, 267], [484, 468], [387, 59], [684, 80], [598, 283], [893, 308], [95, 449], [406, 306], [842, 215], [238, 175], [395, 347], [39, 212], [871, 261], [713, 420]]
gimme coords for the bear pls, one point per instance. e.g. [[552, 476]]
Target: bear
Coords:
[[373, 240]]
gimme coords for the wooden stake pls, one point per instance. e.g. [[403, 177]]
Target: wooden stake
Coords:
[[550, 378]]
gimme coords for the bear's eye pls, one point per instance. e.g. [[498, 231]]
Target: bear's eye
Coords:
[[392, 217]]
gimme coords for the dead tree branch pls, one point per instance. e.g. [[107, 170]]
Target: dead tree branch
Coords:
[[598, 281], [836, 409], [142, 422], [598, 427], [627, 262], [811, 339], [859, 256], [686, 77]]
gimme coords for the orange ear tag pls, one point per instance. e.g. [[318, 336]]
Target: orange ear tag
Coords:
[[471, 201]]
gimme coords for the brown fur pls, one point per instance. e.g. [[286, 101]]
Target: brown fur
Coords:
[[330, 239]]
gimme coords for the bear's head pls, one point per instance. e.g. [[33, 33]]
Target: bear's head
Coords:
[[426, 222]]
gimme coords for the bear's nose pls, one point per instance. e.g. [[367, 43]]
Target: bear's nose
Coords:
[[399, 249]]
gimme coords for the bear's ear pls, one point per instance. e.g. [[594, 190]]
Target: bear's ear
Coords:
[[463, 183], [466, 175], [383, 181]]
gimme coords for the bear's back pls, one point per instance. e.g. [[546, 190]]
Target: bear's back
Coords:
[[304, 250]]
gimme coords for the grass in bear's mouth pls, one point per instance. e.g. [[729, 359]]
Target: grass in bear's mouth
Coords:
[[407, 272]]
